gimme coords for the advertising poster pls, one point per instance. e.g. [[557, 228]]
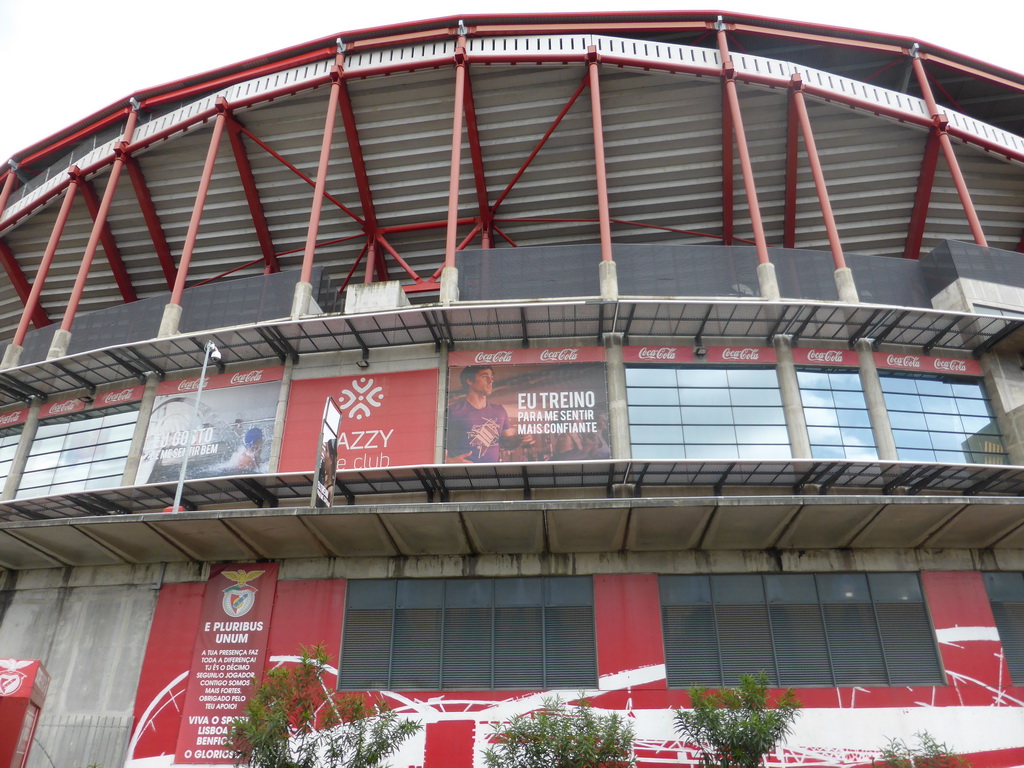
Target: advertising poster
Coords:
[[387, 420], [230, 652], [232, 433], [327, 457], [527, 405]]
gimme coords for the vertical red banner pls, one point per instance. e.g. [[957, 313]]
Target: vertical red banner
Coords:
[[230, 651]]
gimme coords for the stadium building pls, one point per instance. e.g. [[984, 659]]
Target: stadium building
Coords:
[[667, 347]]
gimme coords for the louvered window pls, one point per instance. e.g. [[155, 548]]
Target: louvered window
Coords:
[[1006, 593], [469, 634], [800, 629]]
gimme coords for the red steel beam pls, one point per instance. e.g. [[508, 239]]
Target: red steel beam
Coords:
[[149, 215], [922, 198], [540, 145], [20, 283], [741, 146], [728, 173], [316, 206], [451, 232], [10, 180], [32, 303], [355, 151], [252, 197], [792, 170], [197, 209], [819, 176], [477, 155], [110, 249], [603, 214], [401, 262], [948, 153]]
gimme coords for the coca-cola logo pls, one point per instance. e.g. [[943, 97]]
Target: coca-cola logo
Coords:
[[903, 361], [117, 397], [825, 355], [10, 418], [66, 407], [188, 385], [746, 353], [559, 355], [490, 358], [249, 377], [956, 366], [657, 353]]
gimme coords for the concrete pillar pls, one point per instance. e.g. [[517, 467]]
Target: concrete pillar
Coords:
[[12, 355], [301, 299], [28, 436], [875, 400], [767, 282], [282, 409], [59, 344], [449, 286], [609, 281], [618, 413], [845, 286], [1004, 384], [792, 403], [170, 321], [442, 404], [131, 465]]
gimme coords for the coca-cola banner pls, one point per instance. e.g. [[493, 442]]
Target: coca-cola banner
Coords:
[[732, 355], [107, 399], [927, 364], [387, 420], [837, 357], [232, 433], [527, 405], [13, 418], [230, 652]]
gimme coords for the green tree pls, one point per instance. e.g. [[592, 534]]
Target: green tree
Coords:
[[562, 736], [927, 753], [294, 720], [737, 727]]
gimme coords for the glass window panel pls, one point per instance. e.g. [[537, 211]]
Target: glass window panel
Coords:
[[947, 441], [694, 451], [45, 461], [968, 389], [821, 417], [791, 589], [754, 451], [972, 407], [125, 417], [934, 387], [756, 434], [654, 434], [759, 415], [655, 376], [740, 589], [709, 434], [938, 404], [852, 418], [915, 454], [49, 429], [702, 377], [48, 445], [849, 399], [756, 397], [892, 383], [853, 436], [641, 396], [816, 398], [828, 452], [658, 452], [825, 435], [762, 378], [941, 422], [111, 468], [903, 402], [843, 587], [859, 452], [654, 414], [953, 457], [697, 396], [813, 379], [118, 432], [911, 439], [845, 381], [706, 415], [979, 425], [906, 420]]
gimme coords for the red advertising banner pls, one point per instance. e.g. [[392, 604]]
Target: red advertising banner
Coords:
[[229, 653], [837, 357], [220, 381], [554, 408], [716, 355], [118, 396], [387, 420], [927, 364], [13, 418]]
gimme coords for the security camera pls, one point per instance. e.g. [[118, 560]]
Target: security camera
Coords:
[[215, 355]]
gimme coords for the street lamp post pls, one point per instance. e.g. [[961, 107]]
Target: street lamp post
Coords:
[[211, 353]]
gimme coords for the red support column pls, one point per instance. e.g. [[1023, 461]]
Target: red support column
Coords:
[[603, 214], [252, 197], [451, 234], [940, 122], [197, 208], [355, 151], [819, 177], [792, 170], [728, 171], [149, 215], [316, 206], [98, 229], [925, 182], [732, 98], [47, 260], [20, 283], [479, 177]]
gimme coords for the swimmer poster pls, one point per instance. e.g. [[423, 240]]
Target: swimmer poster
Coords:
[[527, 405], [231, 434]]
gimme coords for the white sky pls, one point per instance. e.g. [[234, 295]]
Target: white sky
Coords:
[[61, 60]]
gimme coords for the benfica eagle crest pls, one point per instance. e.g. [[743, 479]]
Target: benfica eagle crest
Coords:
[[240, 597], [11, 677]]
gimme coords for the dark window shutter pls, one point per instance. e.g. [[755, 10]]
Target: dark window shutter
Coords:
[[416, 660], [800, 645], [1010, 621], [467, 648], [854, 644], [571, 656], [518, 647], [366, 650], [691, 646], [746, 642], [909, 648]]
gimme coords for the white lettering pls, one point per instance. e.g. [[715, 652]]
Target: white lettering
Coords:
[[489, 358], [559, 355], [117, 397], [747, 353], [945, 364], [903, 361], [249, 377], [825, 356], [661, 353]]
